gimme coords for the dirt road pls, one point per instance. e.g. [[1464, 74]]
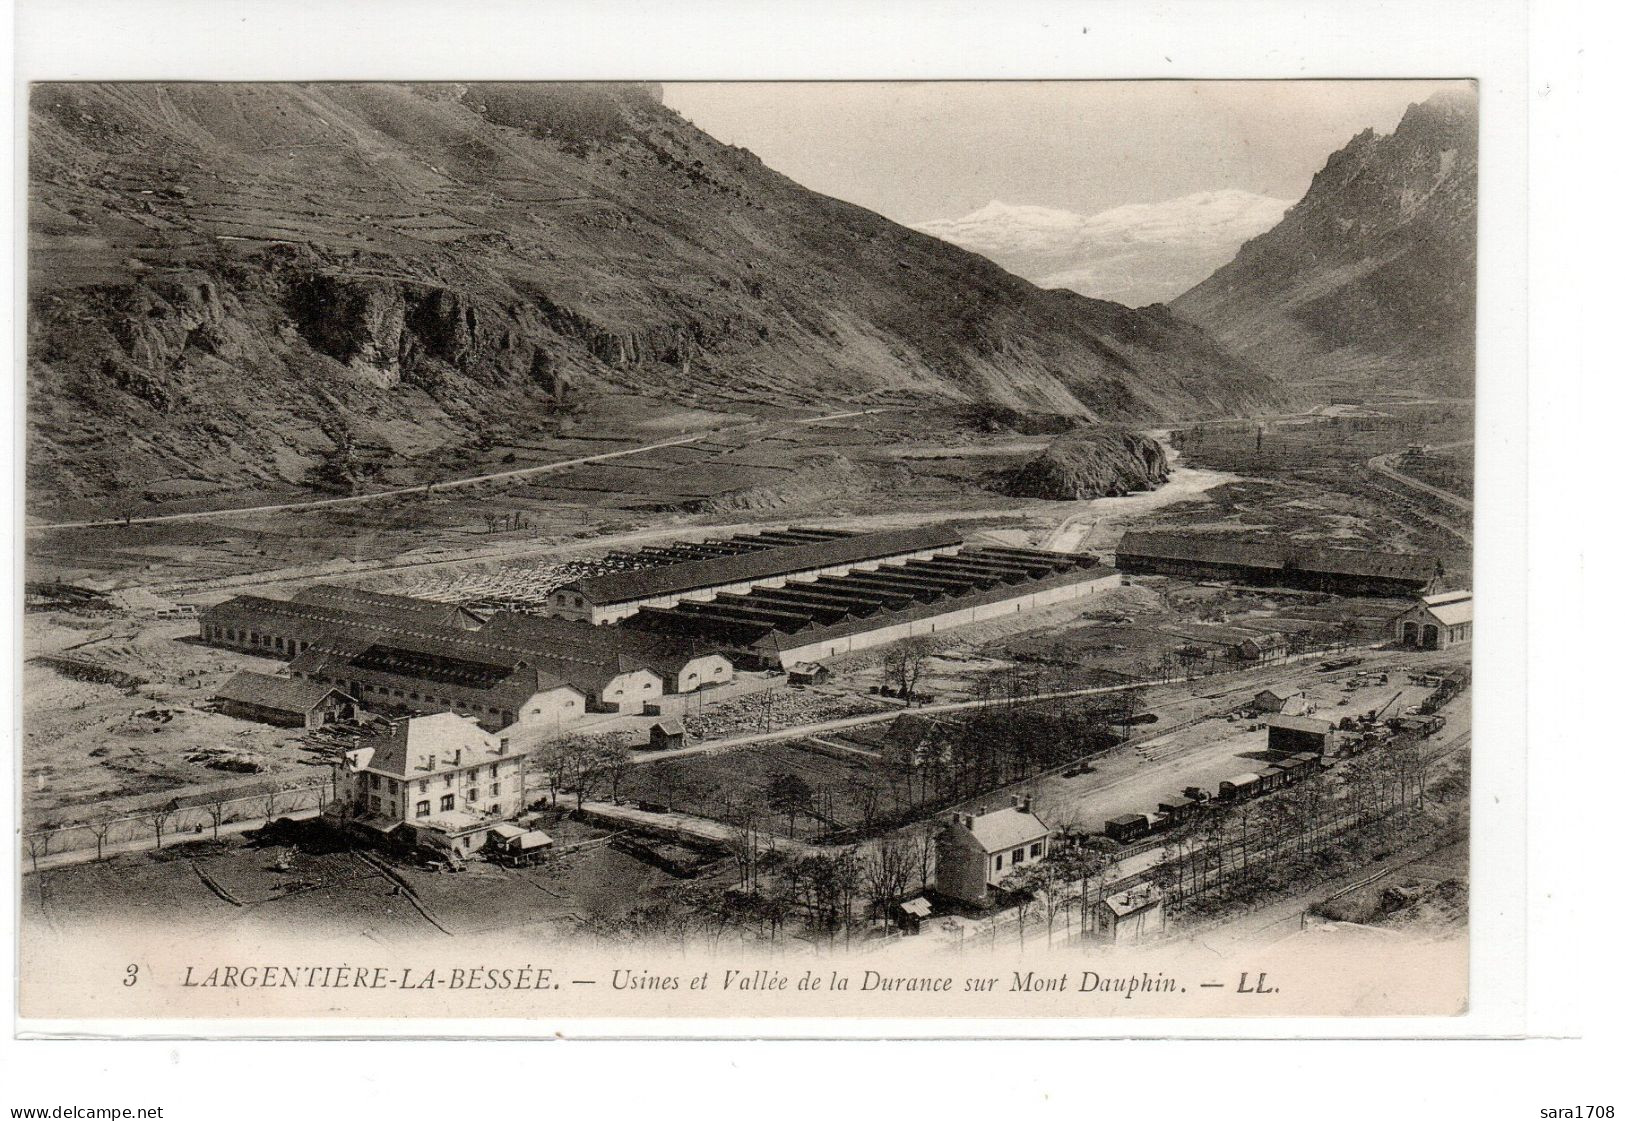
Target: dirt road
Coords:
[[424, 488], [1384, 466]]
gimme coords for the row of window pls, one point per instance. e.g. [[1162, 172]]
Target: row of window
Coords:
[[448, 802], [1018, 855], [255, 638], [377, 781]]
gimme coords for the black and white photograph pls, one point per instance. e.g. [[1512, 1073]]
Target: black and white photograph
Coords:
[[875, 531]]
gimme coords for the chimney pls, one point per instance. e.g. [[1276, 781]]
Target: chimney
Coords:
[[1015, 802], [1026, 804]]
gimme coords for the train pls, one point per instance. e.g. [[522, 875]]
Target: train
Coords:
[[1193, 801]]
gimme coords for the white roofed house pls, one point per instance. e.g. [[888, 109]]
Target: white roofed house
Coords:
[[442, 779], [1436, 622], [1129, 916], [975, 851]]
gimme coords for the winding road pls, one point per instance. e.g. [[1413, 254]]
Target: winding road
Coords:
[[1384, 466]]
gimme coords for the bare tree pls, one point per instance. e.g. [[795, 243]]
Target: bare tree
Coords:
[[100, 829], [39, 843], [905, 663], [616, 763], [888, 869], [158, 818], [268, 801], [216, 808], [1020, 889]]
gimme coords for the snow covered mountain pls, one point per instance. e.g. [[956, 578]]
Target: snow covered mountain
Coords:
[[1138, 254]]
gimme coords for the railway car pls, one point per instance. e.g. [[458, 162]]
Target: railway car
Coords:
[[1179, 810], [1237, 788], [1128, 827]]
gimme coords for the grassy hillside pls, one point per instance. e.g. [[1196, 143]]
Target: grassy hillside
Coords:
[[278, 284]]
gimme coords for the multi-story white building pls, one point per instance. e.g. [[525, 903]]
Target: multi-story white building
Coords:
[[442, 777], [975, 851]]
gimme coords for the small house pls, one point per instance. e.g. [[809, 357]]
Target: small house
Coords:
[[911, 913], [1132, 915], [808, 673], [1283, 702], [1268, 647], [667, 733]]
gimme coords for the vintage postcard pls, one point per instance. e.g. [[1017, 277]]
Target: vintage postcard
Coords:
[[545, 551]]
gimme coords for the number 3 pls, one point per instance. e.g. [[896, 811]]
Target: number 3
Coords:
[[131, 972]]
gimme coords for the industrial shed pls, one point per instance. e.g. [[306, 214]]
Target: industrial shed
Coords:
[[833, 615], [1295, 734], [385, 606], [283, 701], [1436, 622], [684, 664], [617, 595], [1222, 556]]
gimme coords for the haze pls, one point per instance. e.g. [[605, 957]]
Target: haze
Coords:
[[916, 151]]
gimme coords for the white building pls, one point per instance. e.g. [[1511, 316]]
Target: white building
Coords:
[[1132, 915], [1436, 622], [976, 851], [443, 778]]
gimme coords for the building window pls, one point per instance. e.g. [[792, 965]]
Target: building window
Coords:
[[394, 787], [423, 786], [1017, 857], [423, 808], [1038, 849], [496, 789], [448, 779], [448, 802], [998, 862], [494, 769], [376, 804], [374, 781]]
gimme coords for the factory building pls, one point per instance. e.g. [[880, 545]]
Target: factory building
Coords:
[[530, 676], [683, 664], [391, 608], [1215, 556], [279, 628], [713, 569], [504, 698], [833, 615], [1436, 622], [283, 701]]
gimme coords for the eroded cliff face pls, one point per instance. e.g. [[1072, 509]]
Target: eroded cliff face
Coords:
[[1091, 463], [1368, 284], [239, 283]]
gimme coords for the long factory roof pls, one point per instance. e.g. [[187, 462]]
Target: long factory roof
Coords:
[[762, 564]]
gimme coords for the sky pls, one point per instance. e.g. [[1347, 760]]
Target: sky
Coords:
[[914, 151]]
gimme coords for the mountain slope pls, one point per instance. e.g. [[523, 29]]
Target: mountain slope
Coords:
[[243, 283], [1367, 285], [1139, 254]]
